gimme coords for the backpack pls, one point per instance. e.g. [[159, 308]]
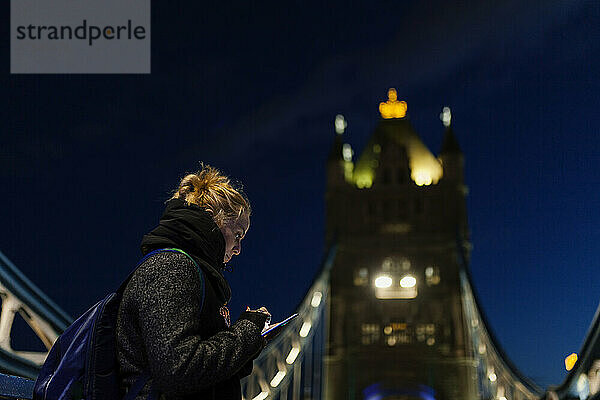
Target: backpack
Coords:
[[82, 363]]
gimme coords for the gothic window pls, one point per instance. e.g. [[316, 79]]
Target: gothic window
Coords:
[[432, 275], [395, 280], [369, 334], [425, 333], [361, 277], [397, 333]]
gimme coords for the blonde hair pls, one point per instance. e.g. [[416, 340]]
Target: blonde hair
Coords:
[[210, 189]]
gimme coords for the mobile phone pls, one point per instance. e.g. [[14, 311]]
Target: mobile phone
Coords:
[[273, 329]]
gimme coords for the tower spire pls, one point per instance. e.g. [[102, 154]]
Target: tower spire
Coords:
[[446, 116], [450, 143], [340, 125], [451, 155], [340, 156]]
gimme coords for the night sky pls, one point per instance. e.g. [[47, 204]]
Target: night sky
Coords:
[[86, 161]]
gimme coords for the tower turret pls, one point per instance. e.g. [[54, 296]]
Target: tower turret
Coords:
[[335, 161], [339, 174], [451, 155], [452, 160]]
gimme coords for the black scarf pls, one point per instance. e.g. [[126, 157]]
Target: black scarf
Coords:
[[192, 229]]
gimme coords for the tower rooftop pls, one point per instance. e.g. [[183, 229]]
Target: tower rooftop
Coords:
[[396, 129]]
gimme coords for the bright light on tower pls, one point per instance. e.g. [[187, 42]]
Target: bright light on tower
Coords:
[[340, 124], [492, 377], [408, 281], [422, 178], [446, 116], [347, 152], [383, 281]]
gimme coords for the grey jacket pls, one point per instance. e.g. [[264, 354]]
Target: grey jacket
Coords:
[[169, 325]]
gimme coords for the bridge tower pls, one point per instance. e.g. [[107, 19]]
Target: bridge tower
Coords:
[[397, 325]]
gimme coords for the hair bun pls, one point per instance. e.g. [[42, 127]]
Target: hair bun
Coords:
[[213, 191]]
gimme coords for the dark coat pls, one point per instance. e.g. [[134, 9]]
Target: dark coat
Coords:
[[167, 327]]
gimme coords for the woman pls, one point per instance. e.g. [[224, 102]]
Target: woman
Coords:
[[173, 323]]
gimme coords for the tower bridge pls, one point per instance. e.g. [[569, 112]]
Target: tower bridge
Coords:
[[392, 314]]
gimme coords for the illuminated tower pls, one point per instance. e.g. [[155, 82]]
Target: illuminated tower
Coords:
[[396, 324]]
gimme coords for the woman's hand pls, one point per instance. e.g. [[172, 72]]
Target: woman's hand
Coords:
[[261, 317], [262, 310]]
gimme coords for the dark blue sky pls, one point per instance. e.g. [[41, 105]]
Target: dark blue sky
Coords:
[[86, 161]]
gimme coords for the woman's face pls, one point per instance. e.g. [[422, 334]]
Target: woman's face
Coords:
[[234, 232]]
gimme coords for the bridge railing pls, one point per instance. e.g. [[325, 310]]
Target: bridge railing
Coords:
[[291, 365], [46, 319], [498, 377]]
